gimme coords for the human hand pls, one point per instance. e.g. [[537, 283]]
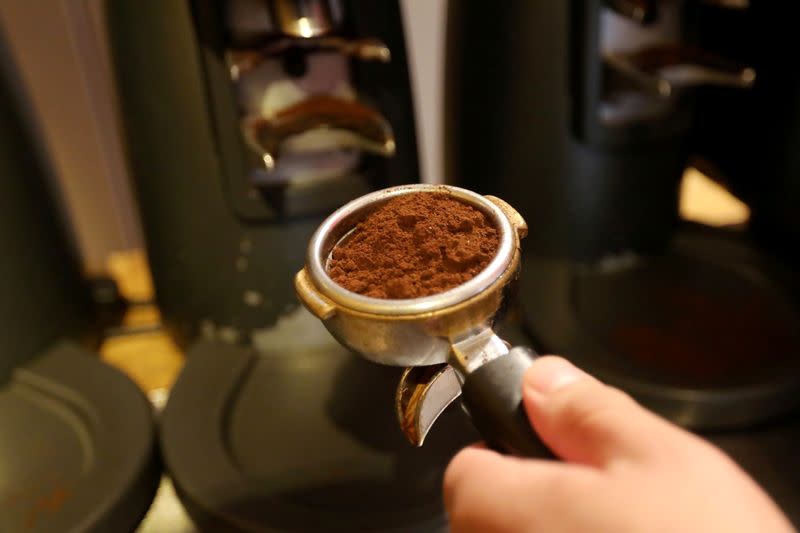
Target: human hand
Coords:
[[625, 469]]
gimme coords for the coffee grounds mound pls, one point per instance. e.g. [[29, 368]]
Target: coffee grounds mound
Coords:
[[414, 245]]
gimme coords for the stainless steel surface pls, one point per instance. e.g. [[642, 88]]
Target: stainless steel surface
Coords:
[[240, 61], [319, 124], [620, 33], [620, 65], [408, 332], [305, 18], [424, 392], [663, 70], [630, 95], [474, 349]]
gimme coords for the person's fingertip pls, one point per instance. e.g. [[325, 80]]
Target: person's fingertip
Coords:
[[580, 419], [468, 460], [466, 463], [549, 373]]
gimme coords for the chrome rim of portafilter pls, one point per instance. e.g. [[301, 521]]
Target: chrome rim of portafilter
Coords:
[[341, 222]]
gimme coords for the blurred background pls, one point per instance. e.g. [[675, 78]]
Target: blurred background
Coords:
[[171, 160], [69, 79]]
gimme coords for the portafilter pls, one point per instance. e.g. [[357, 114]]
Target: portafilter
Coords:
[[446, 340]]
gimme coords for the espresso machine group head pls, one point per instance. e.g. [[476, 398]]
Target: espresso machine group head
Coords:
[[247, 122]]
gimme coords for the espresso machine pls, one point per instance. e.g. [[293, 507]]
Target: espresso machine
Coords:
[[246, 123], [585, 115]]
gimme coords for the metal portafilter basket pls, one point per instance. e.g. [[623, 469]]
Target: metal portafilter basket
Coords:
[[445, 339]]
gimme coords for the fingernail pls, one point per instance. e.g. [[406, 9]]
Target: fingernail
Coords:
[[549, 374]]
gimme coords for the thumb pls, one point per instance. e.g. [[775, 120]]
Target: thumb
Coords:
[[584, 421]]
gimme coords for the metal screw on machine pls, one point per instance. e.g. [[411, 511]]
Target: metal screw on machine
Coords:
[[446, 339]]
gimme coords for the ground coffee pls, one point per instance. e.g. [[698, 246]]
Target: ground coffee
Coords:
[[414, 245]]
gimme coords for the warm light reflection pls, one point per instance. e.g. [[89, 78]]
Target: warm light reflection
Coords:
[[707, 202], [304, 26]]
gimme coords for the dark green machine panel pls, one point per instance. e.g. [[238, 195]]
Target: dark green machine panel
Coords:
[[42, 293]]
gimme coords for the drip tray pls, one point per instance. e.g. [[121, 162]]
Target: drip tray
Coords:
[[708, 334], [301, 435], [77, 448]]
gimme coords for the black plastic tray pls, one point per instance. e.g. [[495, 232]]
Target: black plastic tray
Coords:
[[77, 445]]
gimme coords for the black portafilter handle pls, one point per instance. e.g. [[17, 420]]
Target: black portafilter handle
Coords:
[[492, 393]]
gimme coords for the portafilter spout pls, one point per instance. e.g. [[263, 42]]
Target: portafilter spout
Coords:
[[446, 339]]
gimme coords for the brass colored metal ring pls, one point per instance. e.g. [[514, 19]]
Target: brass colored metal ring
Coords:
[[342, 221]]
